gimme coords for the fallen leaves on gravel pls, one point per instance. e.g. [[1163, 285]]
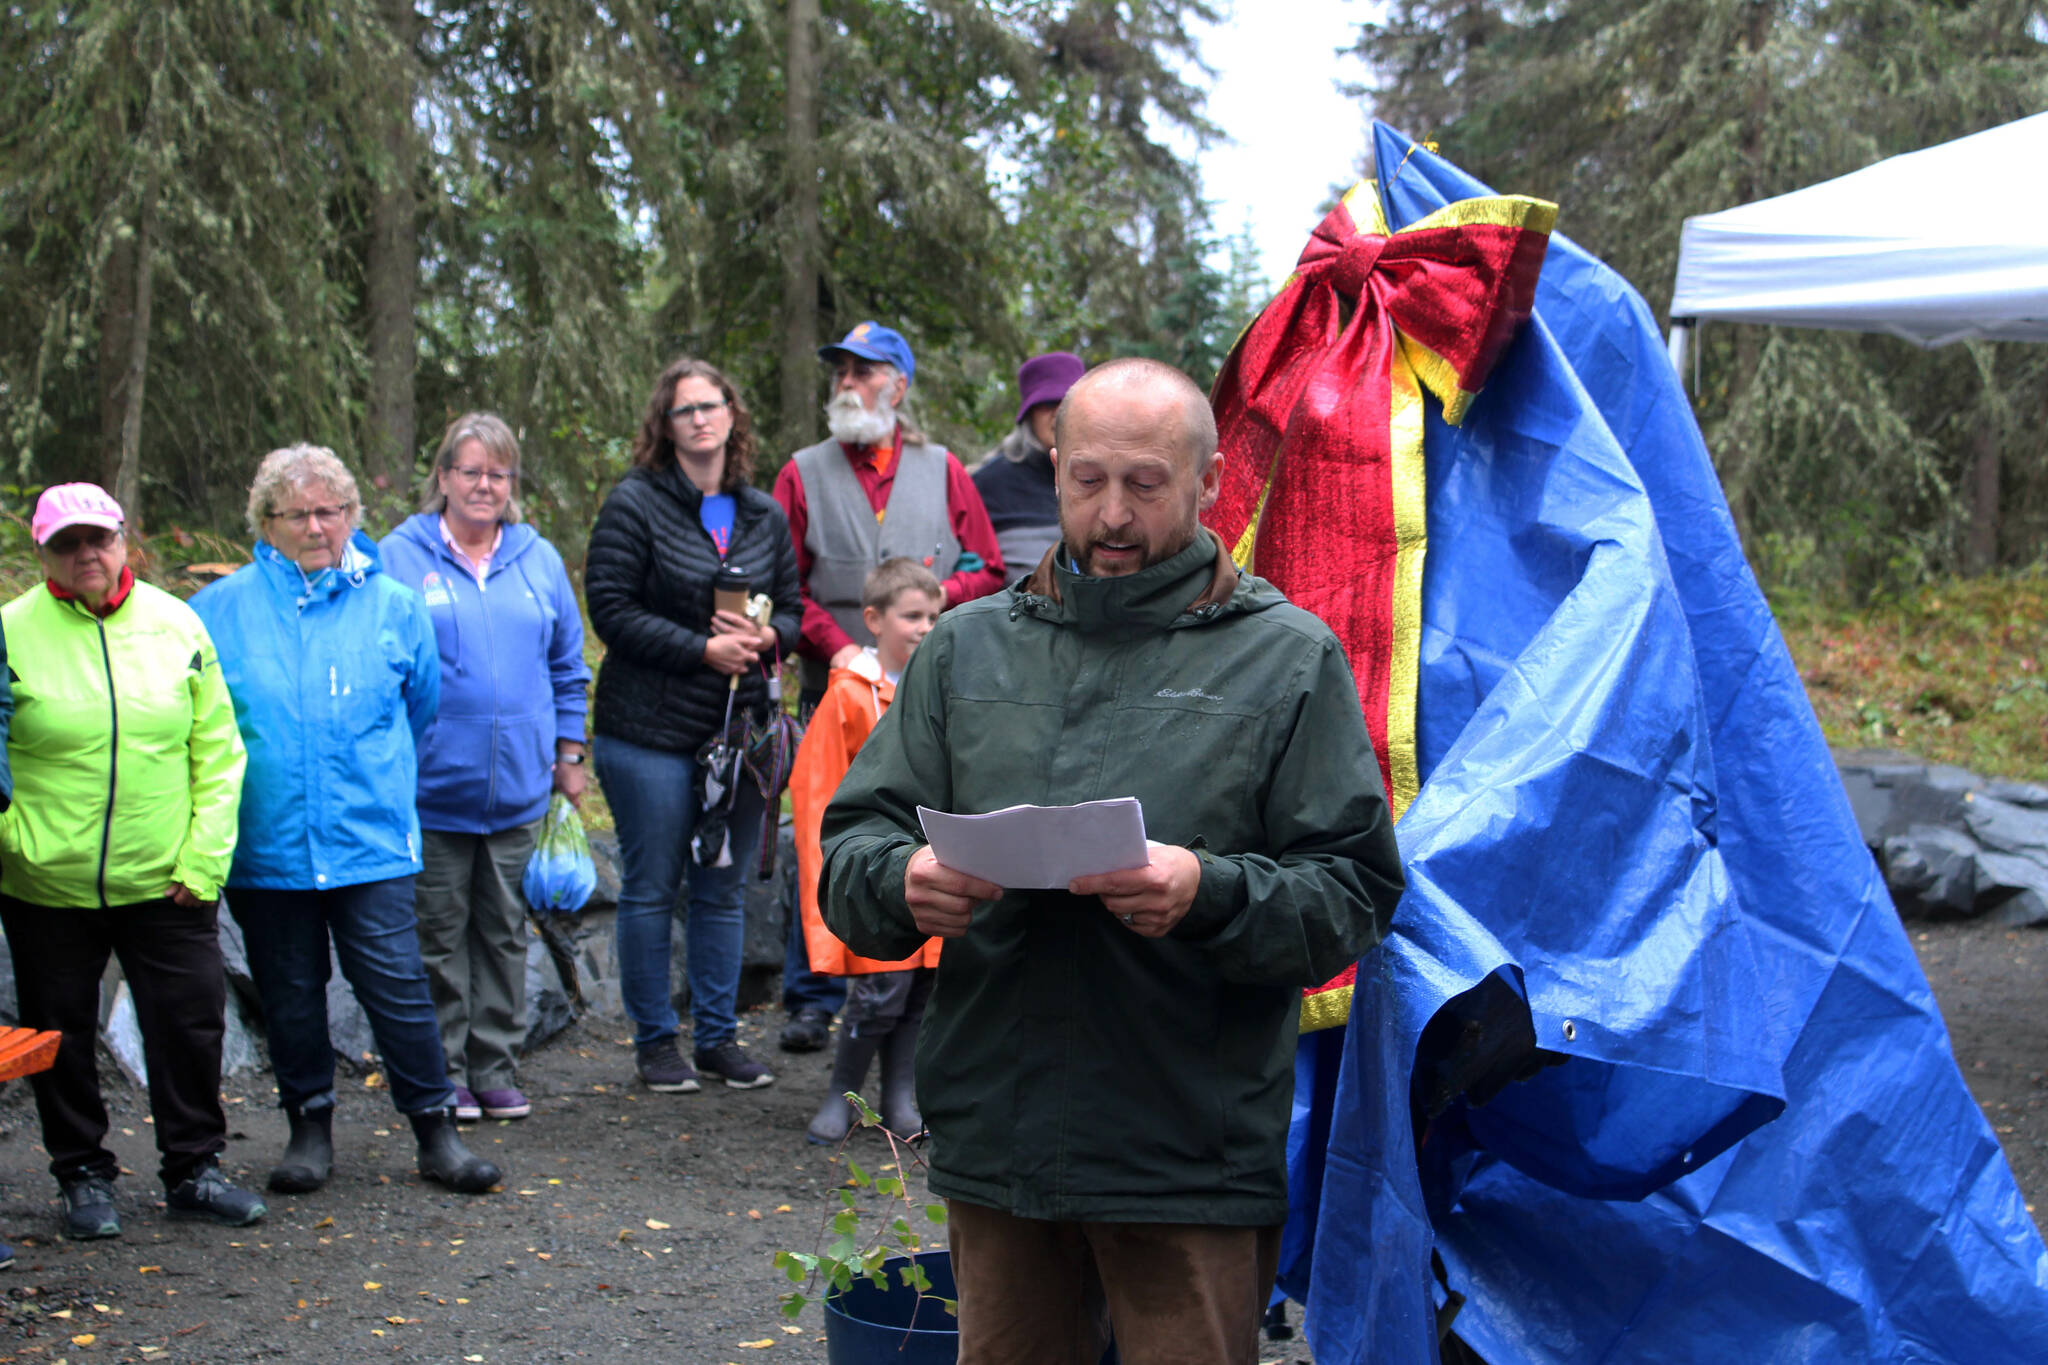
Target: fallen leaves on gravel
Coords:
[[657, 1224]]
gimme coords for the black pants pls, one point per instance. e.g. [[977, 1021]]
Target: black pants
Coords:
[[171, 957]]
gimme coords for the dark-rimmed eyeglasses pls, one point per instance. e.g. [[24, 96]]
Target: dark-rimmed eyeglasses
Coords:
[[685, 412], [71, 540]]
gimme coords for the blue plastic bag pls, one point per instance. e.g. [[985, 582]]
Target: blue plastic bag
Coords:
[[560, 876]]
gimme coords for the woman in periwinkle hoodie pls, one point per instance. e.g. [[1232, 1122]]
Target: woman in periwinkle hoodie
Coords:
[[509, 732]]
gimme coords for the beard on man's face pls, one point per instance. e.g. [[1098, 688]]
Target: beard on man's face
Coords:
[[852, 423], [1106, 554]]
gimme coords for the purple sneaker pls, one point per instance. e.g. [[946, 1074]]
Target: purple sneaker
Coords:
[[467, 1110], [508, 1103]]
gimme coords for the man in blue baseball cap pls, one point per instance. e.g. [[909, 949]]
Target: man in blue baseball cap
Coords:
[[875, 489]]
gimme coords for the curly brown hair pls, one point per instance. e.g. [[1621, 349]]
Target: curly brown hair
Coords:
[[653, 447]]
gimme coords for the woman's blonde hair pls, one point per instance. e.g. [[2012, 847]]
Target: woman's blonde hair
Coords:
[[299, 466], [500, 447]]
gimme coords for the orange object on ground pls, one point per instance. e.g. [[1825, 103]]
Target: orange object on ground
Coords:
[[25, 1051], [852, 704]]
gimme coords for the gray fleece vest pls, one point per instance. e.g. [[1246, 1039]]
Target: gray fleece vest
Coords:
[[845, 541]]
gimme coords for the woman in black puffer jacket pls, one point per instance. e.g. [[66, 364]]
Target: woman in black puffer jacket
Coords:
[[682, 512]]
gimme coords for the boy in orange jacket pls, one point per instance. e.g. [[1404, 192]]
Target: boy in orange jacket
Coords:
[[900, 602]]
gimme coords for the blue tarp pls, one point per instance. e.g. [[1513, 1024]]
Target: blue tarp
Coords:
[[1630, 828]]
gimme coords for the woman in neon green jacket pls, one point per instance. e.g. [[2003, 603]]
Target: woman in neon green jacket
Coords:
[[127, 772]]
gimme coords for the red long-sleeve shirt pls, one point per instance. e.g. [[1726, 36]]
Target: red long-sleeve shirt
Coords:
[[875, 467]]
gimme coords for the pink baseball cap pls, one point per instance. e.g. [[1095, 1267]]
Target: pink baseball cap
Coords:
[[74, 504]]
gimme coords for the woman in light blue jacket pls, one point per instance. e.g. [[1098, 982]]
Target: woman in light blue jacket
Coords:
[[509, 732], [335, 676]]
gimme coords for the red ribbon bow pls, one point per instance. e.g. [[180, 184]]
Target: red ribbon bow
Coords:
[[1319, 412]]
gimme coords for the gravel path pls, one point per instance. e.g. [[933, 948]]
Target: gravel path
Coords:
[[632, 1226]]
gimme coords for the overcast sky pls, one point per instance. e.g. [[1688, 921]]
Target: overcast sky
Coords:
[[1293, 136]]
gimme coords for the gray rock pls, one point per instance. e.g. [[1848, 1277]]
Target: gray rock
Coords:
[[2011, 889], [604, 856], [1932, 872], [768, 902], [2032, 795], [591, 936], [123, 1035], [234, 956], [1951, 843], [592, 933], [2004, 827], [348, 1028], [549, 1009], [241, 1047], [1872, 778]]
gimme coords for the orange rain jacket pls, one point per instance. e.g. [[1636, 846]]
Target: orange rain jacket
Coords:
[[854, 700]]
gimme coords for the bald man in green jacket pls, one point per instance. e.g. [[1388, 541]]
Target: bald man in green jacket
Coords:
[[1107, 1070]]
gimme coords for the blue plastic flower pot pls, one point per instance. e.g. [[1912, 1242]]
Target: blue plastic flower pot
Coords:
[[870, 1326]]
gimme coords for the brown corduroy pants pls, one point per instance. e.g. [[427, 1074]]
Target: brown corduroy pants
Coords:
[[1034, 1292]]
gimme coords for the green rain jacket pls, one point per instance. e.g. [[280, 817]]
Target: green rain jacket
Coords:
[[127, 764], [1068, 1068]]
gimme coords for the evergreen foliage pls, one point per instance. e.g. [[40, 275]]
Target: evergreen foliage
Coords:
[[365, 217], [1850, 461]]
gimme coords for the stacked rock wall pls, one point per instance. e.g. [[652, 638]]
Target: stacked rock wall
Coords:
[[1952, 844]]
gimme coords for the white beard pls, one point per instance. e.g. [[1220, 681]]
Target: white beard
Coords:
[[854, 425]]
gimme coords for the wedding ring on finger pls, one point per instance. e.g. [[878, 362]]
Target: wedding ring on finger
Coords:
[[1127, 918]]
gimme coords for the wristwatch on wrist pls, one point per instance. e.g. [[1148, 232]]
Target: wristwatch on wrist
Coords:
[[569, 758]]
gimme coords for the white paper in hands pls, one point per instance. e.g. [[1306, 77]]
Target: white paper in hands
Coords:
[[1035, 847]]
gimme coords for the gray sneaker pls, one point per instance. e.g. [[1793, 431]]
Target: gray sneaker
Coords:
[[729, 1060], [662, 1068], [89, 1208]]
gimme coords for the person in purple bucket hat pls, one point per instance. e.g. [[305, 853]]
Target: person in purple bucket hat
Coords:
[[1015, 479]]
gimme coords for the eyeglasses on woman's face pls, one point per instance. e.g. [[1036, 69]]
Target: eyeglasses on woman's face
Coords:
[[72, 539], [691, 412], [496, 478], [299, 518]]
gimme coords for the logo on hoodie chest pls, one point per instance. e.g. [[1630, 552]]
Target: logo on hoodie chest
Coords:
[[436, 590]]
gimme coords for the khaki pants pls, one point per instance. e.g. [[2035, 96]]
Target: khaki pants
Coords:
[[1034, 1292], [472, 918]]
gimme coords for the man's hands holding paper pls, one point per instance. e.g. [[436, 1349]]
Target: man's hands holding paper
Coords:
[[941, 899], [1151, 899]]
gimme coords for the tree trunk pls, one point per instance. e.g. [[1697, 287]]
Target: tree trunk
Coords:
[[392, 269], [125, 475], [799, 321], [1732, 458], [1981, 554], [117, 327]]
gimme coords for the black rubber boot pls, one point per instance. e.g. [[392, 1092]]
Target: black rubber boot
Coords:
[[443, 1158], [835, 1117], [899, 1080], [309, 1156]]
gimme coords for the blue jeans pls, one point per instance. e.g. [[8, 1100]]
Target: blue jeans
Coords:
[[802, 988], [653, 796], [377, 940]]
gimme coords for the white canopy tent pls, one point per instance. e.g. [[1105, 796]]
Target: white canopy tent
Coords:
[[1945, 244]]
